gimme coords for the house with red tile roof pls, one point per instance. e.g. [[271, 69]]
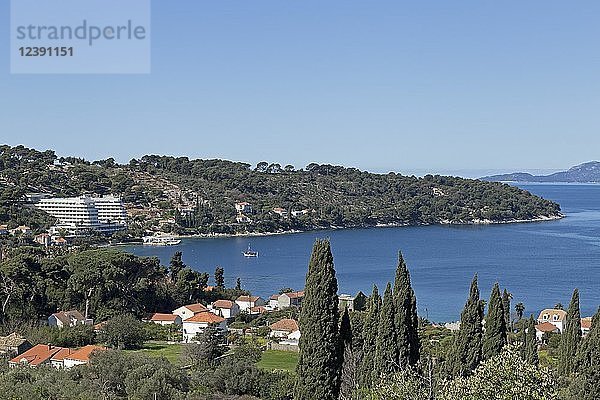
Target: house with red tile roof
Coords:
[[247, 302], [586, 325], [189, 310], [554, 316], [165, 319], [199, 322], [81, 356], [285, 331], [225, 308], [545, 327], [36, 356], [58, 359]]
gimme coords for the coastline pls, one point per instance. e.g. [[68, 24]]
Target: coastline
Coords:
[[379, 225]]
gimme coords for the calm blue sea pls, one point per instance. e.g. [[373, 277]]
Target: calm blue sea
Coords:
[[540, 263]]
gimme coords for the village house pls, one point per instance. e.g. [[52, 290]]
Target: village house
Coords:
[[286, 332], [273, 303], [3, 229], [247, 302], [282, 212], [68, 319], [296, 213], [243, 219], [554, 316], [199, 322], [225, 308], [58, 359], [20, 230], [37, 355], [545, 327], [165, 319], [243, 207], [258, 310], [81, 356], [586, 325], [13, 344], [43, 238], [346, 301], [189, 310], [292, 299]]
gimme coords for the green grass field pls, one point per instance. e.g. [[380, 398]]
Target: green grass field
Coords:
[[275, 359], [161, 349]]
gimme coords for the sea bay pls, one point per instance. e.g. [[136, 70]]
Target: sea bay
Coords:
[[540, 263]]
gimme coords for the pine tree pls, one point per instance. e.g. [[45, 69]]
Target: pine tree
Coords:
[[531, 353], [571, 337], [386, 354], [367, 368], [466, 352], [319, 364], [506, 296], [494, 337], [586, 384], [406, 320]]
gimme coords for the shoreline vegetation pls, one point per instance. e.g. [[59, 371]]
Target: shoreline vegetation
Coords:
[[212, 198], [291, 232]]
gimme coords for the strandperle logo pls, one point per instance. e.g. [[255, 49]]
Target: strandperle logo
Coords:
[[80, 36], [85, 32]]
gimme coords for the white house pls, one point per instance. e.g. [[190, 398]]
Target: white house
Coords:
[[273, 302], [71, 318], [248, 302], [553, 316], [165, 319], [189, 310], [81, 356], [545, 327], [285, 331], [282, 212], [586, 325], [225, 308], [199, 322], [243, 207], [283, 328]]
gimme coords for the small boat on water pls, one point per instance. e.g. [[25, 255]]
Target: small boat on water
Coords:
[[161, 241], [250, 253]]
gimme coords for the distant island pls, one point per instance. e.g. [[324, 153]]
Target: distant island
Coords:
[[181, 196], [588, 172]]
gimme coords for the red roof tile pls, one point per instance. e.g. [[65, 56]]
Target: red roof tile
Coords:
[[206, 318], [546, 327], [164, 317], [36, 355], [83, 354], [223, 304], [286, 325]]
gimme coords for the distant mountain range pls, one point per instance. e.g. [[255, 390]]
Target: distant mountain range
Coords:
[[584, 173]]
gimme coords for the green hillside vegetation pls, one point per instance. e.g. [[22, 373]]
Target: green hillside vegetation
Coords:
[[200, 194]]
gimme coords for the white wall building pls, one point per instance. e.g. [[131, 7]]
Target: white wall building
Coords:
[[248, 302], [199, 322], [79, 215]]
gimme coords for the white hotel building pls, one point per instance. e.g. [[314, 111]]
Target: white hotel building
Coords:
[[80, 215]]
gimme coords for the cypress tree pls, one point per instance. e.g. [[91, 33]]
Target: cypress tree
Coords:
[[319, 364], [367, 368], [386, 354], [176, 265], [345, 330], [530, 345], [571, 336], [466, 352], [494, 337], [406, 320], [506, 305], [586, 384]]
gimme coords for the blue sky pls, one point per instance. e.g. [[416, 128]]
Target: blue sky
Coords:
[[386, 85]]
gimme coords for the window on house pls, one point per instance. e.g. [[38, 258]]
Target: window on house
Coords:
[[545, 317], [555, 317]]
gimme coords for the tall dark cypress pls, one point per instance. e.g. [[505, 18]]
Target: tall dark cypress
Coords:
[[587, 382], [319, 364], [466, 352], [406, 320], [571, 337], [348, 373], [368, 372], [494, 336], [386, 355], [506, 296], [345, 331], [530, 345]]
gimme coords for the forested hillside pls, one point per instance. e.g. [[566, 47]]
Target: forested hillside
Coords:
[[199, 196]]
